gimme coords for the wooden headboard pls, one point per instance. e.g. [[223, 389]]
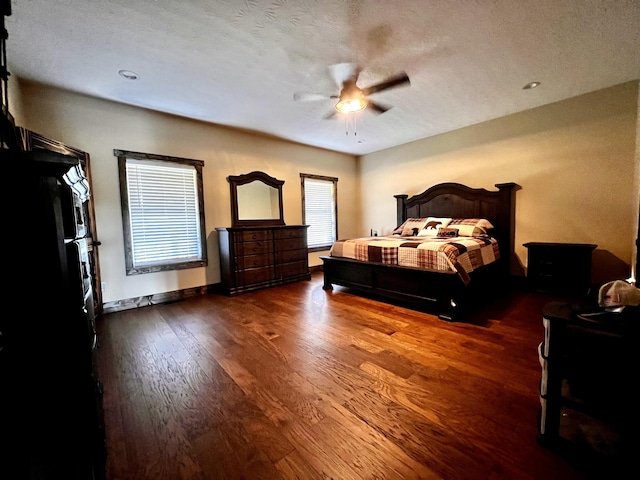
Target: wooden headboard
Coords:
[[459, 201]]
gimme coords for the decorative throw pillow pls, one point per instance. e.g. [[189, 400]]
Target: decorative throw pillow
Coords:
[[410, 233], [406, 229], [447, 232], [432, 225], [470, 231], [476, 222], [471, 227]]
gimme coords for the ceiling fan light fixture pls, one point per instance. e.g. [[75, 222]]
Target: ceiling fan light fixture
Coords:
[[351, 105], [352, 99]]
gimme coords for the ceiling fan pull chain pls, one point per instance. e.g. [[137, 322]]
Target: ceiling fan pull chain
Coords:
[[355, 124]]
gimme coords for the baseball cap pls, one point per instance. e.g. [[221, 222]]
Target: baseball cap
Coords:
[[616, 295]]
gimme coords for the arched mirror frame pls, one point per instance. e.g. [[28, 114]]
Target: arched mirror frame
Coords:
[[237, 180]]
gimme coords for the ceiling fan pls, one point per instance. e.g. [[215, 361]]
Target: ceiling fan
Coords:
[[352, 98]]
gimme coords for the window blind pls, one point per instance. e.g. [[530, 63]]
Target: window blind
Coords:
[[163, 212], [320, 212]]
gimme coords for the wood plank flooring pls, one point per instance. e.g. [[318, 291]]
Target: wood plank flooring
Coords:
[[295, 382]]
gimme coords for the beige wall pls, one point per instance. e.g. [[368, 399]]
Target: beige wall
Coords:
[[636, 194], [15, 98], [99, 126], [575, 161]]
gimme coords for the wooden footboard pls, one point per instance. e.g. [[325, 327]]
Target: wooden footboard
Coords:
[[444, 294]]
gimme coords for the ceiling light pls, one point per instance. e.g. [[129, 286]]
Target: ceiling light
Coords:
[[351, 105], [351, 99], [531, 85], [128, 74]]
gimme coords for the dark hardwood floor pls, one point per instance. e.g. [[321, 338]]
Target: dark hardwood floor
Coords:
[[296, 382]]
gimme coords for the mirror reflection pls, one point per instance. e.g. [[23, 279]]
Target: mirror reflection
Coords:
[[257, 200]]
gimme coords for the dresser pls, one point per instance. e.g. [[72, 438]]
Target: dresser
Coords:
[[256, 257]]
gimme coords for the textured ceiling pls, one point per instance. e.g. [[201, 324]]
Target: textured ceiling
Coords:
[[239, 63]]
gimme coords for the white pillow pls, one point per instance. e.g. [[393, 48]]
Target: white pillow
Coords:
[[432, 225]]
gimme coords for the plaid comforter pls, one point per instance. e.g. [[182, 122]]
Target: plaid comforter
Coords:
[[459, 254]]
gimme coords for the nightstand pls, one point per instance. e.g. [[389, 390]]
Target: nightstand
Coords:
[[560, 268]]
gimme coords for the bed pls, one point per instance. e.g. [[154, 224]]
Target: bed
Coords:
[[447, 272]]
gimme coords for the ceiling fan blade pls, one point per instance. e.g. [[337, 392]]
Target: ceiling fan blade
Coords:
[[397, 81], [330, 115], [343, 71], [311, 97], [376, 107]]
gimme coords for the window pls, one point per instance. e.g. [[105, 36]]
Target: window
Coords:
[[320, 210], [162, 212]]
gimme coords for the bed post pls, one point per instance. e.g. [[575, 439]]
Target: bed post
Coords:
[[326, 269], [400, 199], [507, 220]]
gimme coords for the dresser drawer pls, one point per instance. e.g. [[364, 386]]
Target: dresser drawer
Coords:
[[291, 269], [252, 235], [254, 248], [253, 261], [255, 275], [291, 244], [290, 233], [286, 256]]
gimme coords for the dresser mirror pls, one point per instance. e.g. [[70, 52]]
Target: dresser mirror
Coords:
[[256, 199]]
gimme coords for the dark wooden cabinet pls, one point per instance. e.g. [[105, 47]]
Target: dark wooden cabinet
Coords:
[[51, 414], [587, 392], [33, 141], [559, 268], [252, 258]]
